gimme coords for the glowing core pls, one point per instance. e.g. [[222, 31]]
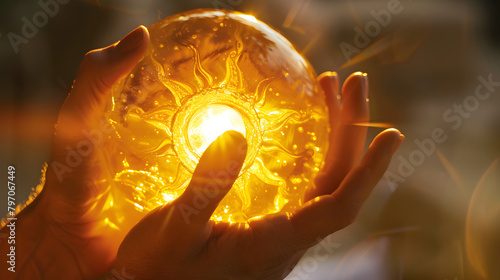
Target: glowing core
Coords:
[[210, 122]]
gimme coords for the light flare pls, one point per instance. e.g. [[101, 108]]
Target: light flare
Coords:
[[211, 122]]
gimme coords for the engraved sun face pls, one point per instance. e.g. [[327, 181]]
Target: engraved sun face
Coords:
[[207, 72]]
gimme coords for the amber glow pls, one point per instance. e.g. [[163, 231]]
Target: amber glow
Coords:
[[208, 72], [210, 122]]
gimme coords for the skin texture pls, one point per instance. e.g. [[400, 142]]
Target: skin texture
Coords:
[[59, 235]]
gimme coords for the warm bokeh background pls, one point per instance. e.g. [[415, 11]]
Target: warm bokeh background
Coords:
[[437, 218]]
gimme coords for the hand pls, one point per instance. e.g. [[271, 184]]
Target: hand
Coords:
[[62, 234], [179, 241]]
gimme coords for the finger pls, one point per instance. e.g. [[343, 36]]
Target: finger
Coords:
[[347, 145], [216, 172], [329, 213], [329, 84], [99, 71], [355, 111], [83, 110], [356, 188]]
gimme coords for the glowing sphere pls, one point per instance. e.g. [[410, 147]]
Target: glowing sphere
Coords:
[[206, 72]]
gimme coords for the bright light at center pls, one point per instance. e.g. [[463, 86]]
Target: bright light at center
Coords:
[[210, 122]]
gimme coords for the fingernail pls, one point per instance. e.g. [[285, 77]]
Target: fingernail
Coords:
[[398, 143], [365, 84], [357, 82], [329, 80], [131, 41], [226, 154], [327, 74]]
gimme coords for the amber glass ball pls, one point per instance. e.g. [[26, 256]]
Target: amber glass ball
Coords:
[[206, 72]]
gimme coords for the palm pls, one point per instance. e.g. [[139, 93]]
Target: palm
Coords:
[[260, 250], [74, 215], [168, 243]]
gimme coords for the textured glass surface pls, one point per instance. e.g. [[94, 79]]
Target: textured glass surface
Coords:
[[206, 72]]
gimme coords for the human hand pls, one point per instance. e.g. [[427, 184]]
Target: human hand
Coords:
[[62, 234], [179, 241]]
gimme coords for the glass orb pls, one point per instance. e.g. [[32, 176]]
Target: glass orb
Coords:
[[206, 72]]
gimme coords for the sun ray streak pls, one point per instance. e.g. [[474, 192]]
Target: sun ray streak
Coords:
[[453, 173], [374, 124], [294, 11], [270, 145], [164, 113], [161, 125], [264, 175], [234, 77], [165, 148], [178, 90], [311, 44], [201, 75], [482, 214], [260, 92], [273, 123], [372, 50], [242, 193]]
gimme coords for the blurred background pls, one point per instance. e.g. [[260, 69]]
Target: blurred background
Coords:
[[433, 68]]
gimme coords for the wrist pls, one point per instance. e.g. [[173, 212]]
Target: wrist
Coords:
[[29, 250], [17, 235], [37, 253], [51, 259]]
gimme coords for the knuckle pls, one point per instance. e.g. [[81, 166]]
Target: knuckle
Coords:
[[93, 66], [91, 58]]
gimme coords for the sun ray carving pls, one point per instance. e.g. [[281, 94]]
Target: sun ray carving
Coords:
[[178, 90]]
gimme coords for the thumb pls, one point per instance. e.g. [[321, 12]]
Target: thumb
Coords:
[[99, 71], [218, 168]]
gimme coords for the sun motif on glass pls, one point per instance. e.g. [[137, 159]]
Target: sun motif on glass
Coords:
[[207, 72]]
